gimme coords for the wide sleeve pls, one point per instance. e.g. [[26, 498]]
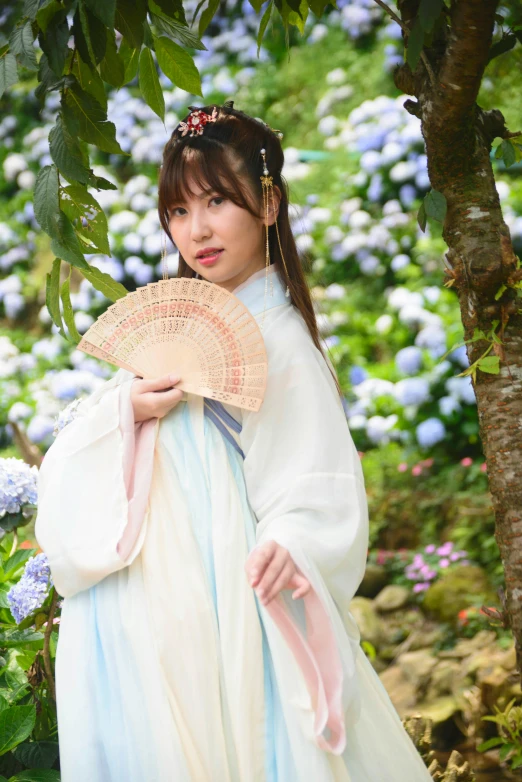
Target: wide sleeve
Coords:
[[93, 486], [306, 487]]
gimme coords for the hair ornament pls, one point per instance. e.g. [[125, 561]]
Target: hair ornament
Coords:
[[196, 122]]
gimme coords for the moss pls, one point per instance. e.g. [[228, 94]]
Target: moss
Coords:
[[458, 588]]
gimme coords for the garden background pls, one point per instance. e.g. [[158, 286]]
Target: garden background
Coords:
[[356, 170]]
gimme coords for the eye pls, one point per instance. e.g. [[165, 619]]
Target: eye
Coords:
[[218, 198]]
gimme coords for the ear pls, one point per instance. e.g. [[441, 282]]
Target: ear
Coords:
[[274, 200]]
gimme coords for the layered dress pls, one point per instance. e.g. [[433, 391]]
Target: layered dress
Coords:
[[168, 667]]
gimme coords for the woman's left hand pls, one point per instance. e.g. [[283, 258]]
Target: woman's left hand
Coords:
[[270, 568]]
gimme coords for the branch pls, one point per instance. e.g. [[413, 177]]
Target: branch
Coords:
[[406, 29], [47, 640], [465, 58]]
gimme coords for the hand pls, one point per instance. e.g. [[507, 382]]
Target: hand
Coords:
[[270, 568], [154, 398]]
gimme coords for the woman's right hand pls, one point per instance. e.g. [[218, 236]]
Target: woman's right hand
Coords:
[[154, 398]]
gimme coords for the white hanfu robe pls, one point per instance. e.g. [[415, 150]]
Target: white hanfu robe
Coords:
[[169, 668]]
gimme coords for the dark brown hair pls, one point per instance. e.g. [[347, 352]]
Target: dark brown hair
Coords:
[[226, 159]]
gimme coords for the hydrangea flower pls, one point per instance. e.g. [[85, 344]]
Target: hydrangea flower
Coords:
[[18, 487], [430, 432], [65, 416], [30, 592]]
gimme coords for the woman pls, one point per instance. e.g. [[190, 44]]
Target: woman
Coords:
[[208, 554]]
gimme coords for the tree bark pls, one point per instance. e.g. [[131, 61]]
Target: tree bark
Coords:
[[458, 135]]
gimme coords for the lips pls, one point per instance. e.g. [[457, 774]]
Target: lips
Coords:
[[206, 260]]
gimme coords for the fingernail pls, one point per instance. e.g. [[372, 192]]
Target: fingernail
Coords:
[[174, 378]]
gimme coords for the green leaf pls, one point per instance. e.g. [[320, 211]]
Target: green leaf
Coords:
[[36, 775], [508, 153], [46, 204], [31, 8], [85, 117], [54, 42], [415, 44], [435, 205], [112, 67], [177, 65], [79, 204], [105, 10], [131, 58], [429, 12], [52, 295], [316, 6], [16, 724], [4, 603], [298, 18], [15, 638], [150, 85], [174, 28], [67, 246], [494, 742], [66, 154], [95, 34], [104, 283], [21, 44], [207, 16], [37, 754], [68, 312], [172, 8], [263, 24], [421, 217], [500, 291], [16, 561], [90, 80], [505, 750], [490, 364], [130, 15], [46, 78], [8, 72], [516, 762], [47, 11]]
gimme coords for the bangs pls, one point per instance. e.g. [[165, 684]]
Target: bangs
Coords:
[[209, 167]]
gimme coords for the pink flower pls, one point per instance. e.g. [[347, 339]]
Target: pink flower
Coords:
[[430, 548], [421, 586], [417, 470], [361, 454], [427, 462], [454, 555], [445, 549], [444, 562], [483, 467], [402, 467], [467, 461]]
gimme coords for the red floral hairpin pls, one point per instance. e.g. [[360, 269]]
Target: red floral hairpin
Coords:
[[196, 122]]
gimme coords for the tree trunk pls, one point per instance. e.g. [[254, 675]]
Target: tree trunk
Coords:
[[480, 259]]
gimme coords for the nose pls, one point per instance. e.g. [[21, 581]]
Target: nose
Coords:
[[199, 228]]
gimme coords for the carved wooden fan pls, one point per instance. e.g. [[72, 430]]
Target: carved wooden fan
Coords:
[[191, 327]]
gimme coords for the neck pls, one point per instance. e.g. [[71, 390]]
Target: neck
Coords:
[[234, 282]]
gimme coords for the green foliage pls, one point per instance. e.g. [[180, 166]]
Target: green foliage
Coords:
[[509, 722]]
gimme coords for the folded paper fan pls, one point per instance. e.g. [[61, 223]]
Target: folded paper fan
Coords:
[[193, 328]]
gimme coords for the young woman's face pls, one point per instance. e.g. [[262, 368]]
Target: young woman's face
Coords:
[[208, 221]]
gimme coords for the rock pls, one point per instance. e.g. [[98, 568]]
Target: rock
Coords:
[[493, 683], [457, 589], [417, 667], [391, 598], [444, 679], [400, 690], [467, 646], [374, 580], [367, 619], [426, 638], [439, 710]]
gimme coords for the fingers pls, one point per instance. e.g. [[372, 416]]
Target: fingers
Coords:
[[285, 576], [258, 561], [160, 383]]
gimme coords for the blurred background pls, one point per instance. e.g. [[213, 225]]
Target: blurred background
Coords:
[[356, 170]]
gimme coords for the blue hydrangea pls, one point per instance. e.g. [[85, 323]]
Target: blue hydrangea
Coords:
[[412, 391], [65, 416], [32, 589], [409, 360], [357, 375], [18, 486], [430, 432]]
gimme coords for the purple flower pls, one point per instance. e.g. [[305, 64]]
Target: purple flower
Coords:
[[430, 548], [454, 556], [444, 562], [421, 586], [445, 548], [30, 592]]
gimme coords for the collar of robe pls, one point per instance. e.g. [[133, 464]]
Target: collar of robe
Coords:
[[252, 291]]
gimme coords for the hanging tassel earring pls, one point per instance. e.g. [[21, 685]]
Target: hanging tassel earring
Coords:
[[267, 185], [164, 266]]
